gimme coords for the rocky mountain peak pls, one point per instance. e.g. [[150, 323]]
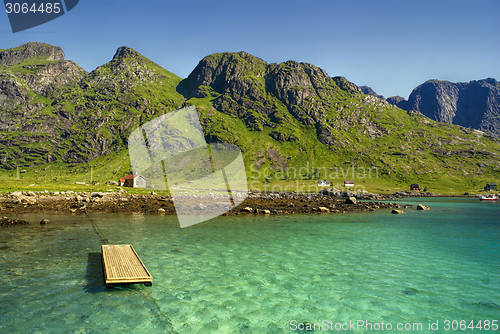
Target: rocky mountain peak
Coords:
[[30, 50], [291, 73], [492, 81], [127, 69], [125, 52], [34, 68], [219, 71], [369, 91], [346, 85], [241, 74], [397, 101]]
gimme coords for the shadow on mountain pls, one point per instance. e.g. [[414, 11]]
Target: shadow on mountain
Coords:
[[184, 89]]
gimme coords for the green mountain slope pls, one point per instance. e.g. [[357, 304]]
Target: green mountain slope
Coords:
[[291, 120], [293, 115], [87, 116]]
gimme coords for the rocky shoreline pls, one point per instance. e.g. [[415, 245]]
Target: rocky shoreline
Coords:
[[255, 203]]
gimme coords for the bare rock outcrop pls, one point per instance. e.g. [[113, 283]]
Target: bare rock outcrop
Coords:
[[475, 104]]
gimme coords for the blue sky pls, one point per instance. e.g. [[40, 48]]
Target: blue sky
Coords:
[[392, 46]]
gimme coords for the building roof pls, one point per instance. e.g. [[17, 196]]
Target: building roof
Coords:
[[348, 182], [131, 177], [491, 184], [414, 185]]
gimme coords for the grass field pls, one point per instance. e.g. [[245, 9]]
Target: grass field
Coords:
[[94, 176]]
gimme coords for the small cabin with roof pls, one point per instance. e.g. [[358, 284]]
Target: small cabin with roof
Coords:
[[490, 187], [414, 186], [323, 183], [133, 181], [348, 183]]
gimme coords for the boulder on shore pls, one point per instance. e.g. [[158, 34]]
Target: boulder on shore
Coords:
[[422, 207], [397, 212], [44, 221], [350, 200], [16, 194]]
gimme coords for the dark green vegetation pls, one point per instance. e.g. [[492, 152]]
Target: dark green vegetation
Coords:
[[61, 121]]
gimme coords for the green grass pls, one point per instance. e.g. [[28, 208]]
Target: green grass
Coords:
[[63, 177]]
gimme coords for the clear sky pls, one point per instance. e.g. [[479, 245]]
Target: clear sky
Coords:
[[389, 45]]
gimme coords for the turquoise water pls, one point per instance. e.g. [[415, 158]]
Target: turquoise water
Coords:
[[257, 274]]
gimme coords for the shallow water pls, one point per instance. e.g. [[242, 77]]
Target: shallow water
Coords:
[[256, 274]]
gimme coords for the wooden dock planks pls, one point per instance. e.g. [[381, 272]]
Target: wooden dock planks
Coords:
[[122, 265]]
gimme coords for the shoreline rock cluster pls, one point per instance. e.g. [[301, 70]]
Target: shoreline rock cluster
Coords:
[[5, 221], [255, 203]]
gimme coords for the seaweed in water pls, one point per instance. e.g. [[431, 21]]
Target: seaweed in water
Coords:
[[411, 291], [488, 304]]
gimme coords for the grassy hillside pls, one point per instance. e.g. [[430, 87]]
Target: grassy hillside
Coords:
[[293, 122], [333, 127], [87, 116]]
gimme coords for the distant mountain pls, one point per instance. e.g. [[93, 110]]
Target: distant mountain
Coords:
[[474, 105], [369, 91], [397, 101], [281, 116]]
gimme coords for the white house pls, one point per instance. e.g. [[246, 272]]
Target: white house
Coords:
[[323, 183], [349, 183], [133, 181]]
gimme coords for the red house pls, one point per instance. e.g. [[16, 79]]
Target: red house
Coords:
[[414, 186], [134, 181]]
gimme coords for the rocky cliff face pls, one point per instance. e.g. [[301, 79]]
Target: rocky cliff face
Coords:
[[475, 104], [397, 101], [248, 80], [12, 92], [34, 68], [31, 50], [53, 110], [257, 92]]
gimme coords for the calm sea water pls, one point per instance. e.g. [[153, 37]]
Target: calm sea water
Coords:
[[258, 274]]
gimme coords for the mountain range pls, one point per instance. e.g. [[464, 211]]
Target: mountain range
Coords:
[[280, 115], [475, 104]]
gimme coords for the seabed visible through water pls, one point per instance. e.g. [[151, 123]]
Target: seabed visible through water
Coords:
[[256, 274]]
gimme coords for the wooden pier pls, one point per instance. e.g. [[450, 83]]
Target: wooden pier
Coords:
[[121, 264]]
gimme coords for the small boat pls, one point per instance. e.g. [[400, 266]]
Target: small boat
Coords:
[[488, 197]]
